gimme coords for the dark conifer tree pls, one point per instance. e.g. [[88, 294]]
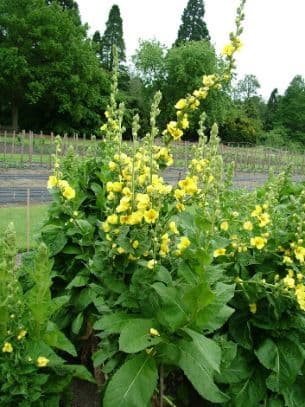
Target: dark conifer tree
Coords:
[[113, 36], [193, 27]]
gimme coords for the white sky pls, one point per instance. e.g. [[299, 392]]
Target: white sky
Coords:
[[274, 31]]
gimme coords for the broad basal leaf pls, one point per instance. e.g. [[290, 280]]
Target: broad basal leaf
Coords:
[[197, 367], [133, 384], [282, 357]]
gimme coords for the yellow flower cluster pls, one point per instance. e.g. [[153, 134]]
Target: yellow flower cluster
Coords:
[[262, 217], [258, 242], [7, 348], [290, 282], [67, 191], [42, 361], [219, 252], [174, 129], [233, 46]]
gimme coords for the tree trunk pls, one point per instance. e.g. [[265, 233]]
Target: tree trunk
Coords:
[[15, 112]]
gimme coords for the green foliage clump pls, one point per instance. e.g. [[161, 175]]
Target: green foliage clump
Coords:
[[31, 370]]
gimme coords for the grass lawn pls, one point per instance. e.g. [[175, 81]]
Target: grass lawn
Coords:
[[17, 215]]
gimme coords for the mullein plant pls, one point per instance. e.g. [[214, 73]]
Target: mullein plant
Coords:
[[134, 279], [29, 364]]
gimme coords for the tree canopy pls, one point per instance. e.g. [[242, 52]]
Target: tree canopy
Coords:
[[48, 68]]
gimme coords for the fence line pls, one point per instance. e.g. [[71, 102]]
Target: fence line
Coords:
[[28, 149]]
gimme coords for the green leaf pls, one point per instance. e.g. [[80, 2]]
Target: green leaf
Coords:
[[55, 338], [78, 323], [54, 237], [172, 314], [80, 372], [133, 384], [285, 360], [198, 297], [250, 392], [85, 227], [113, 323], [239, 328], [238, 370], [78, 281], [294, 395], [135, 336], [217, 313], [207, 347], [198, 369]]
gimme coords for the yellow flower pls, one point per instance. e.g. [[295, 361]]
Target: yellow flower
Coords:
[[124, 204], [184, 243], [121, 250], [253, 308], [112, 219], [219, 252], [258, 242], [111, 196], [248, 226], [300, 294], [264, 219], [135, 244], [224, 226], [189, 185], [117, 186], [181, 104], [174, 131], [21, 334], [63, 183], [135, 218], [69, 193], [151, 264], [228, 50], [179, 194], [287, 260], [7, 348], [151, 216], [180, 206], [173, 228], [299, 253], [106, 227], [42, 361], [52, 182], [126, 191], [257, 211], [154, 332], [238, 43], [185, 122], [143, 201], [289, 281], [208, 80], [112, 165]]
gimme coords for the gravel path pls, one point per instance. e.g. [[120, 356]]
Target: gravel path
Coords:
[[14, 183]]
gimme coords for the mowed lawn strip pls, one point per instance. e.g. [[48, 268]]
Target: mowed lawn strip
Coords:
[[18, 215]]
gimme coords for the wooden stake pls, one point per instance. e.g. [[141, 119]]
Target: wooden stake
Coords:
[[28, 194]]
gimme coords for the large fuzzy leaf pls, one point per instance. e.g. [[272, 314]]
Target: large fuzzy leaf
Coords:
[[198, 359], [133, 384], [284, 359], [135, 336]]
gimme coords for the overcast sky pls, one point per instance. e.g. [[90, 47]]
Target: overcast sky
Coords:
[[273, 39]]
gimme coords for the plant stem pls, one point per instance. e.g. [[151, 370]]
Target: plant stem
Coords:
[[161, 385]]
